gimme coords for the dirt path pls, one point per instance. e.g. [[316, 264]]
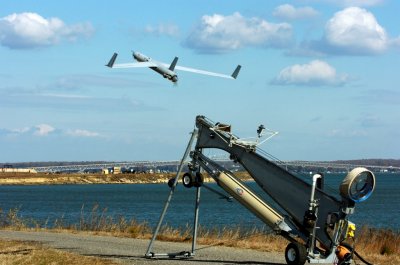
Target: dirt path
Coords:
[[131, 251]]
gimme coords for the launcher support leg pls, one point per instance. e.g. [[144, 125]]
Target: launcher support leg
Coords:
[[149, 254], [196, 220]]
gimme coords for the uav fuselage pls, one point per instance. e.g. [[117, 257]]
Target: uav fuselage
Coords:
[[159, 68]]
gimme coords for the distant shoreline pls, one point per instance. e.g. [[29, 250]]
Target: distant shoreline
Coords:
[[371, 162], [19, 178], [60, 179]]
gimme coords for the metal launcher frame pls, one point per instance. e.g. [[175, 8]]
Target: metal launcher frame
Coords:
[[315, 222]]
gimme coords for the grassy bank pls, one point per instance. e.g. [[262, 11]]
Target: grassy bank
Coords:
[[28, 253], [376, 245]]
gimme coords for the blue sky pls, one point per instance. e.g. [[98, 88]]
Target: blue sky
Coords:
[[322, 73]]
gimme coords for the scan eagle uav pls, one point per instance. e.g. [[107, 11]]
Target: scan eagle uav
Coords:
[[166, 70]]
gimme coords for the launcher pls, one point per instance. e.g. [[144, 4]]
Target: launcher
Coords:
[[315, 223]]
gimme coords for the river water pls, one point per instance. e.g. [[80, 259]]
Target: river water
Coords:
[[144, 202]]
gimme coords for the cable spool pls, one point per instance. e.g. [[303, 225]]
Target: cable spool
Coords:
[[358, 185]]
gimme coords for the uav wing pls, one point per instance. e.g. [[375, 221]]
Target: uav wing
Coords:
[[133, 65], [198, 71], [112, 63]]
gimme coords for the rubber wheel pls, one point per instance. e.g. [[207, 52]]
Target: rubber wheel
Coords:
[[188, 180], [295, 254], [199, 179], [171, 182]]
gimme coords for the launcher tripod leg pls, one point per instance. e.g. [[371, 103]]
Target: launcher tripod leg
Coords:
[[150, 254], [196, 221]]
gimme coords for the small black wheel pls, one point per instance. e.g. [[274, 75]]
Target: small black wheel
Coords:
[[198, 180], [171, 182], [188, 180], [295, 254]]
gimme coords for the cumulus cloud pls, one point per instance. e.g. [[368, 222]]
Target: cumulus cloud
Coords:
[[352, 31], [315, 73], [82, 133], [170, 30], [290, 12], [43, 129], [218, 33], [356, 30], [31, 30]]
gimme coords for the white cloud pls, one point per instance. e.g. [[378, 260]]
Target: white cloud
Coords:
[[170, 30], [355, 31], [82, 133], [219, 33], [290, 12], [46, 129], [43, 129], [351, 31], [15, 131], [315, 73], [31, 30], [20, 130]]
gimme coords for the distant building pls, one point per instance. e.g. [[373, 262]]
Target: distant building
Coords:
[[113, 170], [117, 170]]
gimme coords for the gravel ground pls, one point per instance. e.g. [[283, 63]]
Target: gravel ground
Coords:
[[131, 251]]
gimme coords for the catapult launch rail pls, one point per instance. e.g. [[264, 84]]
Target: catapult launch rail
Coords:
[[315, 222]]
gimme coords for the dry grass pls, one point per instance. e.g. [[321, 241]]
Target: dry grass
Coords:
[[237, 237], [28, 253], [377, 245]]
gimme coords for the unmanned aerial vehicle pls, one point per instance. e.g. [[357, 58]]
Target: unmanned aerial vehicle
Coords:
[[166, 70]]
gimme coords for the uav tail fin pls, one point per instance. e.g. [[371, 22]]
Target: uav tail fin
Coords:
[[236, 72], [173, 64], [112, 60]]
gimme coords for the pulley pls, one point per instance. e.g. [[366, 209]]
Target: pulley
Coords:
[[358, 185]]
